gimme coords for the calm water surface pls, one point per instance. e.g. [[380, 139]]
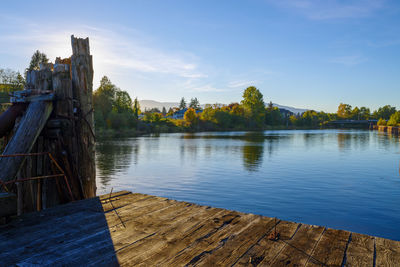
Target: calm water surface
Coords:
[[343, 179]]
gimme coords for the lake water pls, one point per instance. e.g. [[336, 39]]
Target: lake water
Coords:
[[343, 179]]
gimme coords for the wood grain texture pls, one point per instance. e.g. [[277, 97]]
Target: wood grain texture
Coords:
[[125, 229], [360, 251], [330, 249], [82, 88], [24, 138], [387, 252], [299, 248]]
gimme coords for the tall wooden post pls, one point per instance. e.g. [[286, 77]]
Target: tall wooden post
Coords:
[[82, 85]]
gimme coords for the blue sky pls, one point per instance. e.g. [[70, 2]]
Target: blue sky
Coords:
[[303, 53]]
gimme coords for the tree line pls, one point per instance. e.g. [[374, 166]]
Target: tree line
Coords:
[[116, 112]]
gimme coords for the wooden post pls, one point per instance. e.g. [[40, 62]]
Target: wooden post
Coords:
[[82, 84], [64, 116]]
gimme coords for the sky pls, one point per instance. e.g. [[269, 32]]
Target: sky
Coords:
[[310, 54]]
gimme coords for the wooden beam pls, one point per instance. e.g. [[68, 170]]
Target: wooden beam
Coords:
[[24, 138]]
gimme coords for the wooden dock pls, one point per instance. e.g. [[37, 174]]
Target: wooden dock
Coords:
[[136, 229]]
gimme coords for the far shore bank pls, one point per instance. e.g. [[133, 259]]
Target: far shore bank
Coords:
[[111, 133]]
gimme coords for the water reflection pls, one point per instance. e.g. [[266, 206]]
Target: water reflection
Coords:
[[343, 141], [252, 156], [114, 157]]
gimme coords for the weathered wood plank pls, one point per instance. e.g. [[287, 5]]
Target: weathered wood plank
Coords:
[[265, 250], [94, 244], [387, 252], [160, 232], [330, 249], [227, 226], [142, 252], [93, 228], [360, 251], [237, 245], [158, 238], [300, 247], [87, 214]]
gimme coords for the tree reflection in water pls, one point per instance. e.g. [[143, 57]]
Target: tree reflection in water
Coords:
[[113, 157], [253, 150]]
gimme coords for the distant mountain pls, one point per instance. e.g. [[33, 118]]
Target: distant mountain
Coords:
[[291, 109], [149, 104]]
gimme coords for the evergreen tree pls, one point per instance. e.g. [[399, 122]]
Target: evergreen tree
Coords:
[[136, 108], [194, 103], [170, 112], [182, 104], [37, 59]]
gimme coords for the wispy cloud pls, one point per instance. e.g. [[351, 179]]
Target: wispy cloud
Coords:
[[118, 50], [241, 83], [349, 60], [206, 89], [332, 9]]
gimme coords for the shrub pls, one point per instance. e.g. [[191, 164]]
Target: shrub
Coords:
[[394, 119], [382, 122]]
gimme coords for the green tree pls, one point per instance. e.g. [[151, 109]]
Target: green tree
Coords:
[[136, 108], [164, 111], [113, 108], [355, 113], [382, 122], [123, 102], [194, 103], [190, 116], [293, 120], [182, 104], [384, 112], [10, 81], [273, 116], [310, 118], [365, 113], [170, 112], [253, 104], [37, 59], [104, 97], [344, 111], [394, 119]]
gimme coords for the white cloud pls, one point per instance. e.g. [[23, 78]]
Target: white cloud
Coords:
[[332, 9], [117, 50], [241, 83], [206, 88], [349, 60]]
